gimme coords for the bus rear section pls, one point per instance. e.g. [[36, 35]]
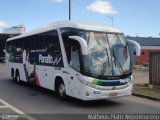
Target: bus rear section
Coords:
[[36, 59]]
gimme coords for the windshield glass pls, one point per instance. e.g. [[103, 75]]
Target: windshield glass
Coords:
[[108, 54]]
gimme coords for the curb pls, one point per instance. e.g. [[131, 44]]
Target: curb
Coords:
[[145, 96]]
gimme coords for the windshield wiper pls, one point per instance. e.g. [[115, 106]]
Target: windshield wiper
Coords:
[[105, 63], [116, 59], [106, 60]]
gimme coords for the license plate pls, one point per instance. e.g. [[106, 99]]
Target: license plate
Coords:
[[113, 94]]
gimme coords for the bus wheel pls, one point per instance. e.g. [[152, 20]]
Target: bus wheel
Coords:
[[12, 74], [61, 90], [17, 77]]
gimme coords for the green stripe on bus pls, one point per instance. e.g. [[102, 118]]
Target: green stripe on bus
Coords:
[[99, 83], [95, 81]]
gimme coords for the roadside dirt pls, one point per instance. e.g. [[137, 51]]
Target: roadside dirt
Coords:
[[141, 75]]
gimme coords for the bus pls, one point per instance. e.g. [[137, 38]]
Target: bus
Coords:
[[82, 60]]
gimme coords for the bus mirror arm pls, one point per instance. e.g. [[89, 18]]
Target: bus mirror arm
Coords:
[[137, 46], [82, 43]]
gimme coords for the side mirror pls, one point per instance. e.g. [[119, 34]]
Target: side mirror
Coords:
[[136, 45], [82, 42]]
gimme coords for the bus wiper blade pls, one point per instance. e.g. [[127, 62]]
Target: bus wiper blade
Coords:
[[116, 59], [105, 63]]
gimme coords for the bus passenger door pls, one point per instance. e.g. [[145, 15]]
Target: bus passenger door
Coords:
[[75, 64]]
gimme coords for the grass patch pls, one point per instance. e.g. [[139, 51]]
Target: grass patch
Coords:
[[143, 90]]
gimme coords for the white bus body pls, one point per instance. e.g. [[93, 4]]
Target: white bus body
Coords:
[[85, 61]]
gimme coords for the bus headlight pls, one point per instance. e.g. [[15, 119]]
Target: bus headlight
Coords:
[[130, 81], [131, 77], [84, 82], [87, 83]]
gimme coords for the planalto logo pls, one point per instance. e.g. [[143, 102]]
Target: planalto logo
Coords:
[[48, 59], [124, 81]]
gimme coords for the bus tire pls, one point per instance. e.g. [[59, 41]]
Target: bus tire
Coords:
[[12, 74], [61, 89], [17, 77]]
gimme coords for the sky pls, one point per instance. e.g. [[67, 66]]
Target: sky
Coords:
[[134, 17]]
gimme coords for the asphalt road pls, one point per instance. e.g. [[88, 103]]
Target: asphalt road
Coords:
[[32, 100]]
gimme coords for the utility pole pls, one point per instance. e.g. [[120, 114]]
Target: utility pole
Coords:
[[111, 19], [69, 10]]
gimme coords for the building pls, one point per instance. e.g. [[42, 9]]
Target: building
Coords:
[[147, 44], [15, 30]]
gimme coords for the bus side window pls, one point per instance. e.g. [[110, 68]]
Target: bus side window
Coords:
[[66, 32], [8, 47], [75, 53], [53, 47], [52, 42]]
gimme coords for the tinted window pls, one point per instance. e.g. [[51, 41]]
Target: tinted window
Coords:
[[42, 49], [66, 32]]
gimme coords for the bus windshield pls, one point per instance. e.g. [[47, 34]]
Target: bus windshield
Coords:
[[108, 53]]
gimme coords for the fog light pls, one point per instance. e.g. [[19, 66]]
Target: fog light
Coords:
[[87, 93], [96, 92]]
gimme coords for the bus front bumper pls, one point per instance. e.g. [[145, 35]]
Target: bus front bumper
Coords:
[[90, 93]]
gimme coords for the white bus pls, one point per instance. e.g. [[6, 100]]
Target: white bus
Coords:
[[85, 61]]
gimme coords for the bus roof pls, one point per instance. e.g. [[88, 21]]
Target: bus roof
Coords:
[[62, 24]]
